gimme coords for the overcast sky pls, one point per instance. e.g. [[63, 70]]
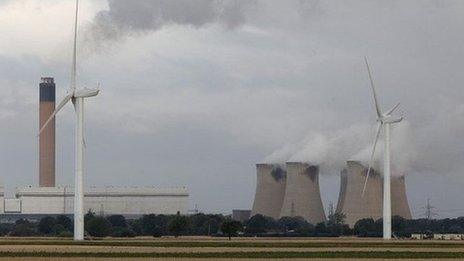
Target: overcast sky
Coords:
[[195, 93]]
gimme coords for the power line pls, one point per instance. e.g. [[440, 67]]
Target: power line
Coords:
[[429, 212]]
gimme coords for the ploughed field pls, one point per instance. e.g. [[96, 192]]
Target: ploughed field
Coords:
[[198, 248]]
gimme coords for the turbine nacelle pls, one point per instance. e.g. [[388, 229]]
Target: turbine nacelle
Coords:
[[85, 93], [390, 119]]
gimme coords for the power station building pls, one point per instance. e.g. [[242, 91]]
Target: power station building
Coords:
[[48, 199], [355, 206], [128, 201]]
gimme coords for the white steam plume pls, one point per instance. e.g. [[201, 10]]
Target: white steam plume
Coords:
[[331, 150]]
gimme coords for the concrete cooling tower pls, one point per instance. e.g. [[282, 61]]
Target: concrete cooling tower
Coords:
[[355, 206], [400, 206], [341, 193], [302, 194], [351, 202], [270, 190]]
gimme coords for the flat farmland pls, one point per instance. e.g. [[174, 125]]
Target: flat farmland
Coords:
[[198, 248]]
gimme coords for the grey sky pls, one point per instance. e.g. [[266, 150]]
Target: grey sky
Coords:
[[196, 96]]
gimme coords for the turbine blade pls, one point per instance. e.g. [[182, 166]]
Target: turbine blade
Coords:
[[371, 162], [74, 57], [377, 107], [389, 112], [58, 108]]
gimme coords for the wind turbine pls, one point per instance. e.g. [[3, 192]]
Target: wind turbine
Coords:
[[77, 98], [384, 120]]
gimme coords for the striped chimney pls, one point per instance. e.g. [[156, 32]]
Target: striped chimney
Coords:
[[47, 138]]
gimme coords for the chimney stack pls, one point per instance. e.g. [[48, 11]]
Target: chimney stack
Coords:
[[47, 138]]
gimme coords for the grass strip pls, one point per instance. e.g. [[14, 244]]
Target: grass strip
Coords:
[[196, 244], [283, 254]]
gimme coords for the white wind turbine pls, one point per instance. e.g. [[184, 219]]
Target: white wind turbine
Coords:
[[77, 97], [384, 120]]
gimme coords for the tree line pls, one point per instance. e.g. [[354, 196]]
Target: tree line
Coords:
[[119, 226], [220, 225]]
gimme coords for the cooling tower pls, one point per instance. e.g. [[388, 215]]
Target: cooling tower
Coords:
[[400, 206], [341, 193], [302, 195], [355, 206], [270, 190], [47, 137], [351, 201]]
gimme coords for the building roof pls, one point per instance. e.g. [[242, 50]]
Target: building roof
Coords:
[[102, 191]]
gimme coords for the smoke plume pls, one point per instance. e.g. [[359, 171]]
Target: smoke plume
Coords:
[[125, 18]]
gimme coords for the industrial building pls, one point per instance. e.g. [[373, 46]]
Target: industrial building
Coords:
[[48, 199], [302, 195], [241, 215], [128, 201], [355, 206], [270, 190]]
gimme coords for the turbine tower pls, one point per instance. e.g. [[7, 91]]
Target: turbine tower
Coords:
[[384, 120], [77, 97]]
